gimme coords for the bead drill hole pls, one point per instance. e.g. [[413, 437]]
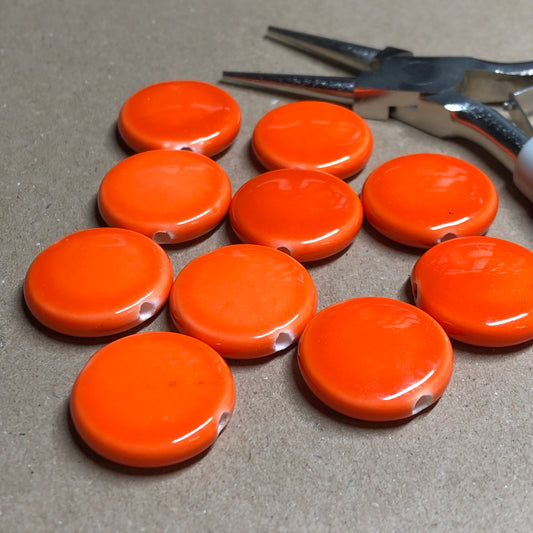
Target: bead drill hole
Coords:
[[162, 237], [146, 310], [422, 403], [283, 340], [284, 249], [447, 237], [222, 422], [414, 287]]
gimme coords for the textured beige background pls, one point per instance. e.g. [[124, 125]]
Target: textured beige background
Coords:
[[284, 463]]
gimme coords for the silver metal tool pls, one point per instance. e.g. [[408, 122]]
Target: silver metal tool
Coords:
[[443, 96]]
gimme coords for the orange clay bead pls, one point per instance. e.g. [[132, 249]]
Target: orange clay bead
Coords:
[[98, 282], [315, 136], [152, 399], [180, 114], [308, 213], [171, 196], [422, 199], [480, 289], [375, 358], [244, 300]]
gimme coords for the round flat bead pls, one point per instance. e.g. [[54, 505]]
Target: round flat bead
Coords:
[[480, 289], [171, 196], [152, 399], [307, 213], [375, 359], [244, 300], [98, 282], [422, 199], [180, 114], [313, 135]]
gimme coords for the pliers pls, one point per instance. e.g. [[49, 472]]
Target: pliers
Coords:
[[443, 96]]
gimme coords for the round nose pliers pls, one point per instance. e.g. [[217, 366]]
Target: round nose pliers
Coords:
[[443, 96]]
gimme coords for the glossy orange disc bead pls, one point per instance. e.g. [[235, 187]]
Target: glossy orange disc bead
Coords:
[[171, 196], [180, 114], [313, 135], [375, 358], [98, 282], [244, 300], [152, 399], [422, 199], [307, 213], [480, 289]]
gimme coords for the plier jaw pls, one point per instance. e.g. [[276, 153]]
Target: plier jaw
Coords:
[[390, 70], [444, 96], [351, 55]]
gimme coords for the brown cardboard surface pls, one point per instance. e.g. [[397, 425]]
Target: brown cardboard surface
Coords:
[[285, 462]]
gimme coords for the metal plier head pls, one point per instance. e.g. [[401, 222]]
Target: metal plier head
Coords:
[[444, 96]]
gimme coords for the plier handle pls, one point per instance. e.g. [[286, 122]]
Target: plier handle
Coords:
[[443, 96]]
